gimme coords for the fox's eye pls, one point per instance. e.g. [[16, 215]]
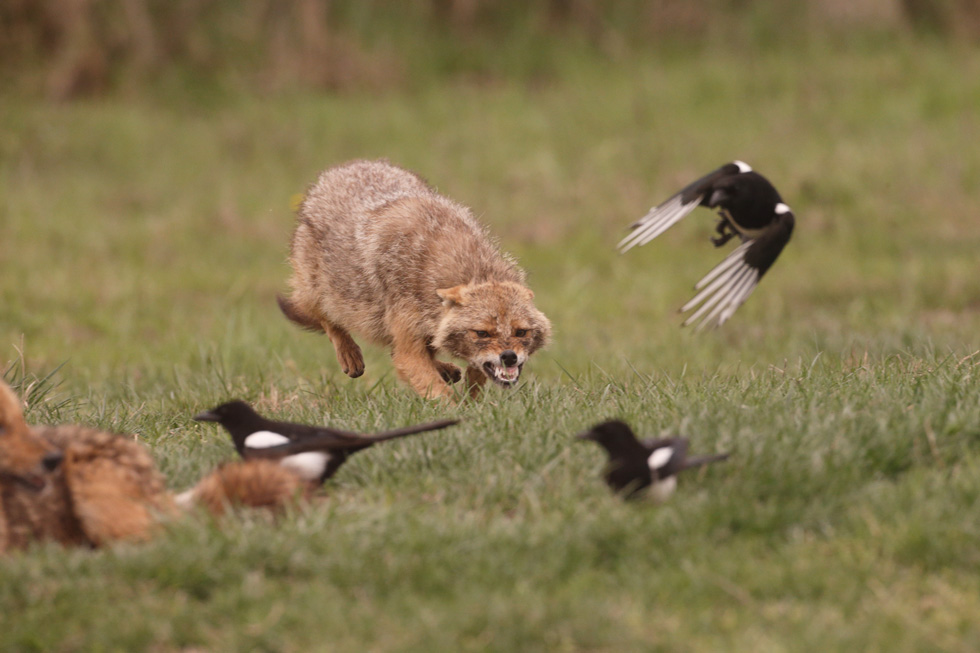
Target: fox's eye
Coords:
[[520, 333], [482, 334]]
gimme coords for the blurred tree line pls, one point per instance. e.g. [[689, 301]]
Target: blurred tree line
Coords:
[[71, 48]]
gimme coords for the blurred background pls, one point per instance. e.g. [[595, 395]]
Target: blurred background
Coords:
[[152, 151], [66, 49]]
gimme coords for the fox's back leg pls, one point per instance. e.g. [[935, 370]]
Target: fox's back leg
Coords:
[[348, 352]]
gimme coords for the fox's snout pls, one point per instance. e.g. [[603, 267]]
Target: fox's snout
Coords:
[[503, 368]]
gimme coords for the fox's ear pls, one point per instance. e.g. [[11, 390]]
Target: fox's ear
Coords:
[[521, 289], [452, 296]]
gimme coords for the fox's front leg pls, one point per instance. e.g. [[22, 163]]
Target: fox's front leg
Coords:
[[416, 365], [475, 380], [450, 373]]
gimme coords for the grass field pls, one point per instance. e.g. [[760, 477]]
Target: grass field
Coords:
[[142, 242]]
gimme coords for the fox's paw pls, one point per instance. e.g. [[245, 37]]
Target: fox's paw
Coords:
[[351, 360], [449, 372]]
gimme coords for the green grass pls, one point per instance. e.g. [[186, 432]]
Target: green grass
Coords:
[[142, 242]]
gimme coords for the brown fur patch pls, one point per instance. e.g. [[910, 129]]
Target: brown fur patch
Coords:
[[21, 453], [250, 483], [116, 489]]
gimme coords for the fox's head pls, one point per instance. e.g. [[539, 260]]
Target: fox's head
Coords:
[[24, 457], [494, 326]]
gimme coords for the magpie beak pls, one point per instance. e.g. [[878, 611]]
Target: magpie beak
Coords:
[[750, 208], [643, 468], [207, 416]]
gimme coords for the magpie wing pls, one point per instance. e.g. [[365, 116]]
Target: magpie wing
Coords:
[[662, 217], [323, 441], [667, 456], [731, 282]]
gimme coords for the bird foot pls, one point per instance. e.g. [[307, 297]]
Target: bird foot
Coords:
[[725, 232]]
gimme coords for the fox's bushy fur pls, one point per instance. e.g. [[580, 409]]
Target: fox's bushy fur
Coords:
[[247, 484], [378, 252]]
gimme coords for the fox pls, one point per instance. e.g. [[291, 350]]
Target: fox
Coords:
[[377, 252], [73, 484]]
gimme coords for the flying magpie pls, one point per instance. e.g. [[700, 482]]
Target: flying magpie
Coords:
[[315, 453], [750, 208], [639, 468]]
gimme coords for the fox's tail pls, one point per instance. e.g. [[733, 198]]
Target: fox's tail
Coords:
[[297, 315]]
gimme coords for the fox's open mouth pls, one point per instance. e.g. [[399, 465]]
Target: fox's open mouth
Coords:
[[505, 376]]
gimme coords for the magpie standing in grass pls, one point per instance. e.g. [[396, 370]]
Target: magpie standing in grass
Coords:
[[750, 208], [315, 453], [640, 468]]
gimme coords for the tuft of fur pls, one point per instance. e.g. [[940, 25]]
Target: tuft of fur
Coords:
[[21, 453], [116, 489], [376, 251], [106, 487], [31, 505], [248, 483]]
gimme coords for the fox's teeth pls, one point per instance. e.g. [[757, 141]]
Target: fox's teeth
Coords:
[[508, 373], [506, 376]]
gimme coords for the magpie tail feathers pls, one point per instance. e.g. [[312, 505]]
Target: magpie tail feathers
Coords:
[[730, 260], [698, 461], [412, 430], [344, 440], [731, 283]]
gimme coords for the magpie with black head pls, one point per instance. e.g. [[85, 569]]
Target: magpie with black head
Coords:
[[314, 452], [643, 468], [749, 207]]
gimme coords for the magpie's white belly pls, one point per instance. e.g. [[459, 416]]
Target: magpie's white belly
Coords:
[[308, 465], [662, 490], [748, 234]]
